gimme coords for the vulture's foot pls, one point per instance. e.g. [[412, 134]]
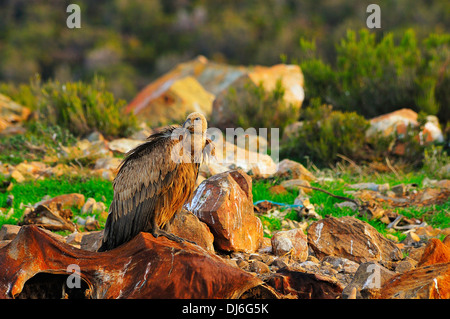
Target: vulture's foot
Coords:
[[159, 232]]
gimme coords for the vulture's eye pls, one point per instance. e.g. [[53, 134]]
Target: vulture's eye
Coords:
[[197, 119]]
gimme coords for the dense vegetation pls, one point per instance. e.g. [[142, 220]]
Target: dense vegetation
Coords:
[[131, 42]]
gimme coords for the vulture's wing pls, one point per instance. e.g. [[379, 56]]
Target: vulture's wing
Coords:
[[146, 173]]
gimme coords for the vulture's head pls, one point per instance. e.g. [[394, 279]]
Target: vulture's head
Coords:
[[196, 123]]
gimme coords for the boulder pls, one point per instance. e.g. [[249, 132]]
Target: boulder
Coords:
[[225, 203], [426, 282], [187, 225], [292, 242], [350, 238], [435, 252], [36, 265], [170, 98]]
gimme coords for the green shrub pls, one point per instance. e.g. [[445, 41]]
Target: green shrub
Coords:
[[373, 77], [260, 109], [76, 106], [325, 134]]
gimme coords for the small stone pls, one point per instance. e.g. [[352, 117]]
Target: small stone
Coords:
[[259, 267]]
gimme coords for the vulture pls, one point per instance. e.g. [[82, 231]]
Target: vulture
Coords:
[[154, 181]]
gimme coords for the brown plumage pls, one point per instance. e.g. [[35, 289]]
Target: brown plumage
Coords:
[[155, 180]]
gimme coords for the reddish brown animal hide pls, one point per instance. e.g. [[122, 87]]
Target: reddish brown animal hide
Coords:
[[145, 267]]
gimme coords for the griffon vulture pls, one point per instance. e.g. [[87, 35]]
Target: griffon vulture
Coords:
[[154, 181]]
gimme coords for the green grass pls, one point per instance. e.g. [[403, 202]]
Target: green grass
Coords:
[[438, 216], [32, 192]]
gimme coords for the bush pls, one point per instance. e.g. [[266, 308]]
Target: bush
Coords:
[[325, 134], [373, 77], [260, 109], [78, 107]]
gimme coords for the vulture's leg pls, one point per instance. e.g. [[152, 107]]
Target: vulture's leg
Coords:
[[156, 232]]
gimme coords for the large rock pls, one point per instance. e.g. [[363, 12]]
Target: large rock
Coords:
[[187, 225], [350, 238], [427, 282], [430, 280], [225, 203], [36, 265], [169, 98]]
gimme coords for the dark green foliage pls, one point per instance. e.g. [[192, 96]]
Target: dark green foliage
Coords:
[[130, 42], [375, 76], [325, 134], [78, 107], [258, 109]]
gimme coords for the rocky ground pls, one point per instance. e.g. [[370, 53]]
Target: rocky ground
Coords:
[[318, 258]]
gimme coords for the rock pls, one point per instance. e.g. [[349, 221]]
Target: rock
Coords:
[[296, 185], [123, 145], [258, 164], [258, 267], [225, 203], [305, 285], [350, 238], [18, 177], [66, 201], [444, 183], [291, 169], [75, 238], [93, 150], [405, 265], [170, 98], [145, 267], [435, 252], [210, 169], [91, 224], [341, 264], [8, 232], [111, 163], [426, 282], [369, 275], [91, 241], [187, 225], [11, 113], [292, 242], [291, 80], [370, 186], [396, 123], [91, 206]]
